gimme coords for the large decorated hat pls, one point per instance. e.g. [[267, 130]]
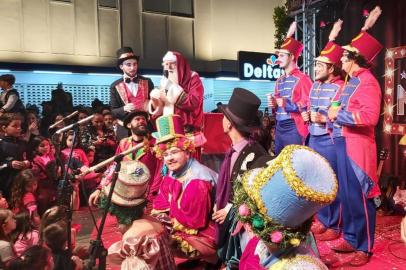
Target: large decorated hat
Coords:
[[132, 184], [171, 133], [331, 54], [169, 127], [280, 200], [125, 53], [292, 46], [242, 109], [365, 45]]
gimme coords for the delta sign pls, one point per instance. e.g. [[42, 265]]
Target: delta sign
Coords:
[[258, 66]]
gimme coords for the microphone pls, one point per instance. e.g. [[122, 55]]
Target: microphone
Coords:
[[64, 119], [84, 120]]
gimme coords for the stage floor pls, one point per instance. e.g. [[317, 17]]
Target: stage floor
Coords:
[[389, 252]]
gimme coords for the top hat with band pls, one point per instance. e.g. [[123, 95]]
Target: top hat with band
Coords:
[[125, 53], [242, 110]]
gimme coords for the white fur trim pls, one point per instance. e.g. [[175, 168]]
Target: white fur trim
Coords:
[[169, 56]]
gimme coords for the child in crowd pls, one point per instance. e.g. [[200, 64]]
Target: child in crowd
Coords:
[[25, 235], [78, 154], [55, 239], [79, 163], [32, 126], [35, 257], [9, 98], [98, 137], [12, 151], [3, 202], [57, 214], [8, 224], [45, 168], [23, 195]]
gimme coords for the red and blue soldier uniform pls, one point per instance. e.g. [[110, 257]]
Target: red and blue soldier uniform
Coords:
[[290, 127], [320, 139], [294, 88], [354, 139]]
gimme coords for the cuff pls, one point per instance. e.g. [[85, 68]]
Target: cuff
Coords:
[[228, 207]]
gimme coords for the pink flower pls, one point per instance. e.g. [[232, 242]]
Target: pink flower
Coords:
[[276, 237], [244, 210]]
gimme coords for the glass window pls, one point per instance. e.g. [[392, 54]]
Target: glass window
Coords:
[[161, 6], [170, 7], [108, 3]]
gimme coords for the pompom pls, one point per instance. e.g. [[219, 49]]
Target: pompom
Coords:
[[244, 210], [294, 242], [276, 237], [258, 222]]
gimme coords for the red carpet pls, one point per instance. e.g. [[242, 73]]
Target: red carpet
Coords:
[[389, 252]]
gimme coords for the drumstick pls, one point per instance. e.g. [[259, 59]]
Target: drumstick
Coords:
[[110, 160]]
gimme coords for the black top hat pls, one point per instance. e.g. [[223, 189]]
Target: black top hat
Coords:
[[125, 53], [133, 114], [242, 109]]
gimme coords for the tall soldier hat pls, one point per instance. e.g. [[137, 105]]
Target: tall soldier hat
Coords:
[[332, 52], [291, 45], [364, 44]]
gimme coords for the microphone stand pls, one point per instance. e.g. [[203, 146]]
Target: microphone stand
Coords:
[[65, 191], [97, 249]]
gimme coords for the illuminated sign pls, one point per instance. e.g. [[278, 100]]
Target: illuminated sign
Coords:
[[395, 93], [258, 66]]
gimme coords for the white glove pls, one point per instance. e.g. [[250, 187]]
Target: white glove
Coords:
[[173, 93], [129, 107], [155, 104], [155, 93]]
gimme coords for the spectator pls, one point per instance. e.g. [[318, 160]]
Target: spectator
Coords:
[[32, 124], [22, 195], [108, 119], [25, 235], [46, 169], [9, 98], [55, 239], [12, 151], [8, 224], [35, 257]]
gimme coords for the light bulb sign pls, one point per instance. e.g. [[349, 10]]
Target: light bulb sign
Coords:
[[258, 66], [394, 121]]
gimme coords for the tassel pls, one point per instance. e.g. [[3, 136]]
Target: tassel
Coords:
[[373, 16], [335, 30], [292, 30]]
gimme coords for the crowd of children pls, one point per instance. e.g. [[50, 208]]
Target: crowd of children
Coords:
[[33, 160]]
